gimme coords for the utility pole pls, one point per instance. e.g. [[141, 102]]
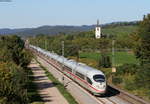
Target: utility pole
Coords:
[[113, 56], [45, 44], [113, 60], [113, 52], [62, 44]]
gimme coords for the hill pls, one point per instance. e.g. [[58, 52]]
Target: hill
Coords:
[[112, 28], [49, 30]]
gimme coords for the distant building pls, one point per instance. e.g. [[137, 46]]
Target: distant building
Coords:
[[97, 31]]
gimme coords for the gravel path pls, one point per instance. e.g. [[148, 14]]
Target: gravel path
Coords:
[[46, 88]]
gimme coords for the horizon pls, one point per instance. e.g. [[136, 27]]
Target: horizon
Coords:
[[68, 25], [32, 14]]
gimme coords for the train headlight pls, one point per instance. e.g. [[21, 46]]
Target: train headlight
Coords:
[[97, 86]]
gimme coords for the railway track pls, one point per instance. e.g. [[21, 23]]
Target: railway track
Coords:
[[106, 100], [121, 98], [128, 97]]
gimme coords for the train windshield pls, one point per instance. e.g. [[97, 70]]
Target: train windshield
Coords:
[[99, 78]]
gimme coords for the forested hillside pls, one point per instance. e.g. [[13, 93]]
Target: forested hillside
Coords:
[[111, 29]]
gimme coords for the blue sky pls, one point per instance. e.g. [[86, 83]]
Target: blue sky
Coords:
[[34, 13]]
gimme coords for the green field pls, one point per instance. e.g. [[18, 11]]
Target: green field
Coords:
[[120, 57], [120, 31]]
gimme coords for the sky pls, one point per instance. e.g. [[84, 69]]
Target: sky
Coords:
[[34, 13]]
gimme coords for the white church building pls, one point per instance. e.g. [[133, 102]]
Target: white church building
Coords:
[[98, 31]]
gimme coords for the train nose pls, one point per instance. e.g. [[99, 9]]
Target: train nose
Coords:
[[101, 85]]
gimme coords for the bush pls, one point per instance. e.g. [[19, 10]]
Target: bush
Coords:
[[129, 83], [116, 80], [127, 69], [105, 61], [25, 58], [143, 77], [12, 80]]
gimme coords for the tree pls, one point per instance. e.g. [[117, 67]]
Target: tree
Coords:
[[142, 79], [12, 81], [13, 61], [142, 51], [104, 45], [105, 61], [11, 47], [143, 48], [72, 50]]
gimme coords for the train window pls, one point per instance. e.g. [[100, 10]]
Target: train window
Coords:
[[80, 75], [68, 69], [99, 78], [89, 80]]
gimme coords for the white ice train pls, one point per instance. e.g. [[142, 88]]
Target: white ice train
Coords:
[[90, 78]]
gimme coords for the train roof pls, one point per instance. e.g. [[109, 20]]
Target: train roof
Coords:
[[71, 63], [62, 59], [79, 67], [87, 70]]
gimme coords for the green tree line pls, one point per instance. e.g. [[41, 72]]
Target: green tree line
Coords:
[[14, 59]]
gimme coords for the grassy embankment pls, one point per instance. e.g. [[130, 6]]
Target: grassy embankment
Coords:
[[59, 86]]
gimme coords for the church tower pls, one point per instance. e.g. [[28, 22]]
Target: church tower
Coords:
[[97, 31]]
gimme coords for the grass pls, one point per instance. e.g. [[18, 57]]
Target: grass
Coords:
[[125, 58], [120, 57], [60, 87], [120, 31], [32, 92]]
